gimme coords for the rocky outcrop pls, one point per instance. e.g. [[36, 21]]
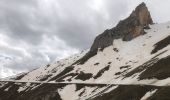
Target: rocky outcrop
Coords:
[[126, 30]]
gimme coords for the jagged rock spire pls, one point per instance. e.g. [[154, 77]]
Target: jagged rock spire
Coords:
[[143, 15], [126, 30]]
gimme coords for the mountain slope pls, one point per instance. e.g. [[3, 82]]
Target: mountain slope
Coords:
[[129, 61]]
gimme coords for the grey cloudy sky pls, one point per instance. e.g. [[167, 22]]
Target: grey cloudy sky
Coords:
[[36, 32]]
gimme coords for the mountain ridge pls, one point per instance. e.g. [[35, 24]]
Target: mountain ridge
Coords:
[[137, 69], [126, 29]]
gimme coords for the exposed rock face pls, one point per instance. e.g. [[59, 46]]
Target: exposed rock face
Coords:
[[127, 29]]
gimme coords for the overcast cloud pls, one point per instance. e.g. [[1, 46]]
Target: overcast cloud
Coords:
[[36, 32]]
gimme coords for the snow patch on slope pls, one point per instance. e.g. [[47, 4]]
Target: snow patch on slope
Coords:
[[46, 73], [148, 94]]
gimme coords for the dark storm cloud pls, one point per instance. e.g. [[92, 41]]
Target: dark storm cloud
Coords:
[[17, 17], [73, 21], [84, 23]]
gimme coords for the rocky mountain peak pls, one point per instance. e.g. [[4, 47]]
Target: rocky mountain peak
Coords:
[[135, 24], [126, 30], [142, 14]]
